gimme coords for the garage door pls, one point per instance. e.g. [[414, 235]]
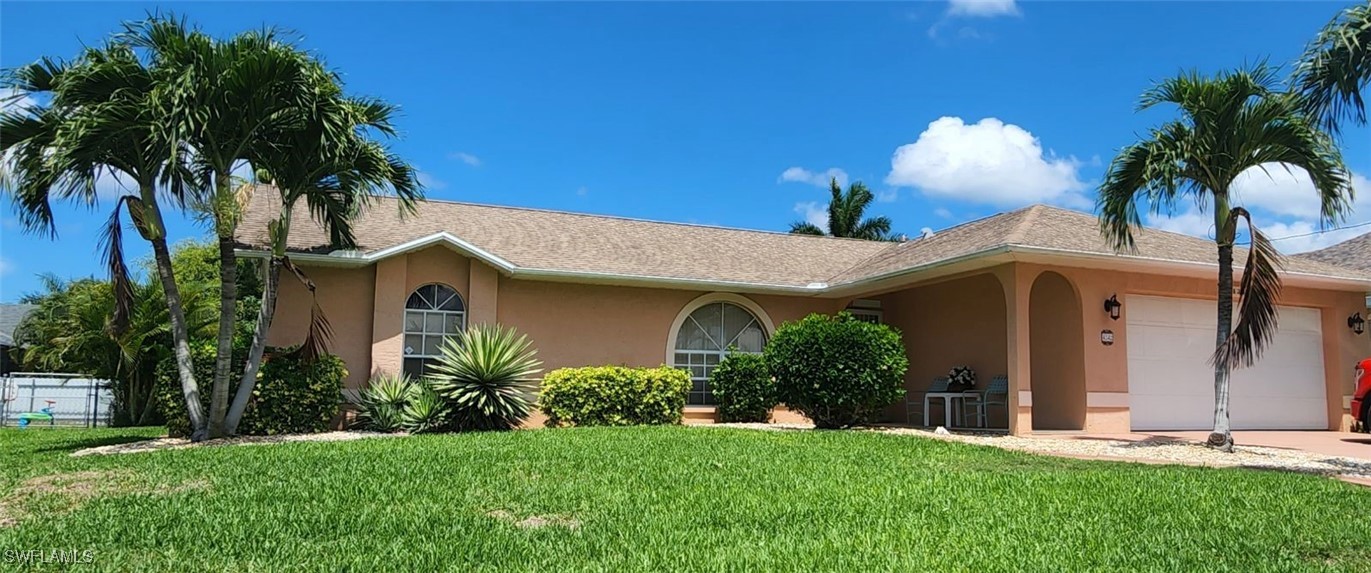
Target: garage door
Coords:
[[1170, 386]]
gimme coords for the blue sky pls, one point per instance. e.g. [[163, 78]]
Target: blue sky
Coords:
[[736, 114]]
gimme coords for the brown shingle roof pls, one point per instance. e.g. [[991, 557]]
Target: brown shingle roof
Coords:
[[1056, 229], [573, 242], [1353, 253], [561, 242]]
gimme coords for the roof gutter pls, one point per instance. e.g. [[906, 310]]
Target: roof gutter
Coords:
[[1020, 253]]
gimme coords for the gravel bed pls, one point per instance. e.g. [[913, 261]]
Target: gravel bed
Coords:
[[1150, 450], [181, 443]]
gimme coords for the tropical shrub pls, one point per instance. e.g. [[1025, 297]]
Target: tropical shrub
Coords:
[[487, 375], [614, 396], [383, 402], [836, 370], [743, 387], [293, 396], [290, 396]]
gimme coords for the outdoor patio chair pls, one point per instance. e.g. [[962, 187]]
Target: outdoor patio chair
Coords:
[[939, 385], [995, 394]]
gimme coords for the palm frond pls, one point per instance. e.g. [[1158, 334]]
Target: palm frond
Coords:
[[320, 333], [112, 244], [1335, 67], [1257, 313], [806, 228]]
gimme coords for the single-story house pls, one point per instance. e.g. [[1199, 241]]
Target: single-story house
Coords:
[[1022, 294]]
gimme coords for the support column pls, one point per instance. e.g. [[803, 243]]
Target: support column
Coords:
[[483, 291], [388, 316], [1016, 293]]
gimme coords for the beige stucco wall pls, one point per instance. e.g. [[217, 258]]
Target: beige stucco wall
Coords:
[[1056, 354], [345, 296], [983, 319]]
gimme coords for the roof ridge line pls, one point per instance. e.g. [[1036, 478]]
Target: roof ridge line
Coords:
[[1020, 231]]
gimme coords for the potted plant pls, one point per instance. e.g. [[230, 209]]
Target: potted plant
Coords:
[[961, 379]]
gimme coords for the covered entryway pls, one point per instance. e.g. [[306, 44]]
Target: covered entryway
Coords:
[[1171, 386], [1057, 354]]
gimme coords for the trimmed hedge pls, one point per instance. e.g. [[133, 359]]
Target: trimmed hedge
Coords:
[[744, 389], [836, 370], [614, 396], [289, 398]]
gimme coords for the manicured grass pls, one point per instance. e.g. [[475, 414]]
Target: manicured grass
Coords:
[[654, 499]]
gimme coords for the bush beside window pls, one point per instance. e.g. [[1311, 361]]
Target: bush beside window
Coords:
[[290, 397], [614, 396], [836, 370], [743, 388]]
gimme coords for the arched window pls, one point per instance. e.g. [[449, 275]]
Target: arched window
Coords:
[[705, 337], [433, 313]]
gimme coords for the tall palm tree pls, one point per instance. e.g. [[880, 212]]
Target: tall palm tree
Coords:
[[228, 99], [1336, 66], [1229, 124], [101, 122], [335, 168], [845, 211]]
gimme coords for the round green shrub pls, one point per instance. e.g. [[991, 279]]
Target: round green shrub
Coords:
[[614, 396], [743, 387], [836, 370]]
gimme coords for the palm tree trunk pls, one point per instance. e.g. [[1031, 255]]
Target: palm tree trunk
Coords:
[[180, 337], [228, 301], [259, 344], [1222, 438]]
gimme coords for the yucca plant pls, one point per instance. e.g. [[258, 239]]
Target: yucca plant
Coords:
[[383, 402], [487, 376], [425, 411]]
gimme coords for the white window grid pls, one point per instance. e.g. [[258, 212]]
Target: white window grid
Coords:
[[701, 363]]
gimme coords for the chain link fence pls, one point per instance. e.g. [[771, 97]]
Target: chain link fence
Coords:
[[71, 399]]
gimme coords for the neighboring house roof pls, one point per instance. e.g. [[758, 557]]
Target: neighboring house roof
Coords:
[[10, 316], [1353, 253], [553, 244]]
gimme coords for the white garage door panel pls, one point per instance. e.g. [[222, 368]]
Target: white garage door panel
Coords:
[[1171, 387]]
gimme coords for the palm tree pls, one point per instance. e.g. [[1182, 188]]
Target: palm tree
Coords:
[[227, 100], [334, 167], [845, 212], [1336, 66], [101, 122], [1229, 124]]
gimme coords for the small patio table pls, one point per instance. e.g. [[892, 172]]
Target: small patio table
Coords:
[[948, 399]]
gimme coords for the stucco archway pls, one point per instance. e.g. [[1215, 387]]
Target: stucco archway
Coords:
[[1056, 354]]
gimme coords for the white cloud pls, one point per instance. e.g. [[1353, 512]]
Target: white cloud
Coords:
[[466, 158], [5, 266], [428, 180], [1284, 206], [817, 179], [988, 162], [888, 195], [944, 213], [982, 8], [814, 213]]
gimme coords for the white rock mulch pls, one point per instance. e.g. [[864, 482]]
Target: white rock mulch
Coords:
[[181, 443], [1151, 450]]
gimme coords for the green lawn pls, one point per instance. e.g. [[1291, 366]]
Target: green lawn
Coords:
[[653, 499]]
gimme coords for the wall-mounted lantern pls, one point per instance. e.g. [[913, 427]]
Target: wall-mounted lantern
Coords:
[[1356, 323], [1112, 306]]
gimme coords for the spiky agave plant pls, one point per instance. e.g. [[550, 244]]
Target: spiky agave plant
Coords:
[[383, 402], [487, 376], [425, 410]]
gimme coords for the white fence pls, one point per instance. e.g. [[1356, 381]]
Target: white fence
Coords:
[[75, 400]]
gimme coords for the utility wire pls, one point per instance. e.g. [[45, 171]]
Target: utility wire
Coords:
[[1321, 231]]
